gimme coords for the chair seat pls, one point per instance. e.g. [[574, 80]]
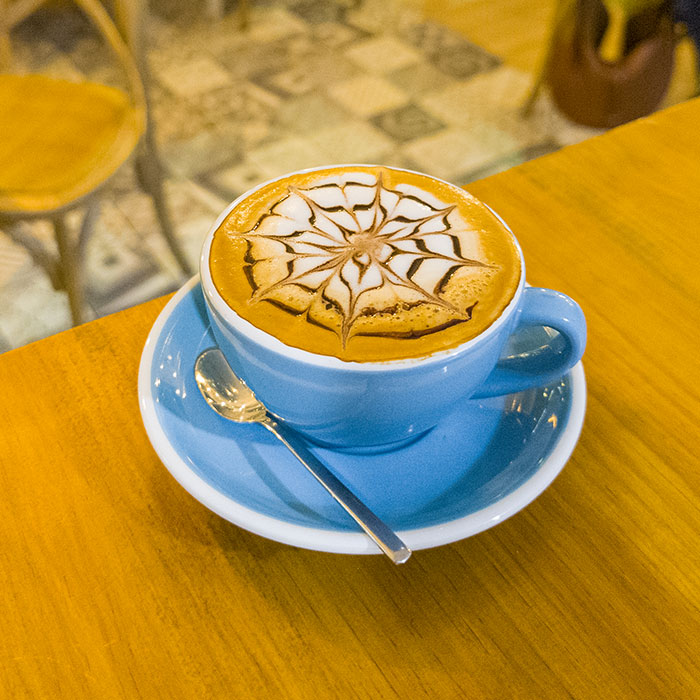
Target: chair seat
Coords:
[[60, 140]]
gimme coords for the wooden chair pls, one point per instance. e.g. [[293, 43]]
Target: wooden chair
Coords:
[[62, 141]]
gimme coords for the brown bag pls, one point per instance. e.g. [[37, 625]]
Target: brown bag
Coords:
[[599, 93]]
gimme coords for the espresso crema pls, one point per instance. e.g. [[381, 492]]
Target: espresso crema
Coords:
[[365, 263]]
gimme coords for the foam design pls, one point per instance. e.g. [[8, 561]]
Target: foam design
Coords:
[[347, 249]]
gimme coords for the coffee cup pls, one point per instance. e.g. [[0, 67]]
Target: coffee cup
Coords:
[[362, 303]]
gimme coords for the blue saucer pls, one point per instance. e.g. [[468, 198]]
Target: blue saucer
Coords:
[[478, 466]]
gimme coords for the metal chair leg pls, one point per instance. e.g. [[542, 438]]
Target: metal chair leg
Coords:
[[216, 10], [562, 11], [533, 94], [149, 172], [38, 252], [70, 270], [243, 14]]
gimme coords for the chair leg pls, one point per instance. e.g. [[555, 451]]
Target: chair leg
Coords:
[[37, 251], [68, 251], [243, 14], [89, 219], [533, 94], [562, 11], [149, 172], [216, 10]]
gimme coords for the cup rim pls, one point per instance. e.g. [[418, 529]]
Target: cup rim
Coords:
[[225, 312]]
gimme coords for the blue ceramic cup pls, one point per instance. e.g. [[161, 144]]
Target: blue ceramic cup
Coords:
[[378, 405]]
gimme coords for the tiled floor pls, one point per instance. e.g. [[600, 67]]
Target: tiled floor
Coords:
[[311, 82]]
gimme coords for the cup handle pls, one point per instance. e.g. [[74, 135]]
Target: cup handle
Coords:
[[540, 309]]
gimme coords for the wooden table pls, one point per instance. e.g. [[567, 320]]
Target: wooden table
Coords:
[[115, 583]]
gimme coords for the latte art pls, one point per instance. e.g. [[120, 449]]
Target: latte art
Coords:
[[365, 263], [352, 245]]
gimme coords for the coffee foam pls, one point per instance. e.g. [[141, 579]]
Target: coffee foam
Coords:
[[365, 263]]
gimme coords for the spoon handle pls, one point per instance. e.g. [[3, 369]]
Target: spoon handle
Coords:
[[385, 538]]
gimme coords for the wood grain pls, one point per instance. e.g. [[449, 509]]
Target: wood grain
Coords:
[[117, 584]]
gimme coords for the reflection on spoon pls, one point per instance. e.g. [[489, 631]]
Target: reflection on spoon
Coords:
[[229, 396]]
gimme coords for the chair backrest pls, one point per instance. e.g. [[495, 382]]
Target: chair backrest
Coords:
[[12, 12]]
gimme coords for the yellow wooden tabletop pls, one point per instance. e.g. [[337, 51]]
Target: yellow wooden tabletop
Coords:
[[116, 583]]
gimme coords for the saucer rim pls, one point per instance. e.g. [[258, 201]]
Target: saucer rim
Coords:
[[334, 541]]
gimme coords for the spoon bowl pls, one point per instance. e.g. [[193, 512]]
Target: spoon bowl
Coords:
[[225, 391]]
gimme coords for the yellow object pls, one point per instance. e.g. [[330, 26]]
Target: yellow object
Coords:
[[61, 140], [612, 46]]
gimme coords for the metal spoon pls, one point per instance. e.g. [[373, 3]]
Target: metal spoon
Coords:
[[229, 396]]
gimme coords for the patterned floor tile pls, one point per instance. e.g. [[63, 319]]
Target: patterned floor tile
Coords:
[[407, 123], [352, 142], [464, 60], [272, 24], [115, 272], [149, 286], [399, 159], [208, 150], [540, 149], [92, 58], [383, 54], [32, 57], [5, 344], [420, 78], [42, 230], [382, 16], [318, 70], [189, 201], [510, 161], [193, 77], [286, 155], [64, 29], [452, 152], [202, 35], [12, 258], [320, 11], [494, 98], [174, 119], [449, 52], [61, 66], [175, 12], [252, 134], [232, 182], [253, 59], [31, 308], [228, 107], [334, 34], [368, 95], [491, 94], [309, 113], [130, 215]]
